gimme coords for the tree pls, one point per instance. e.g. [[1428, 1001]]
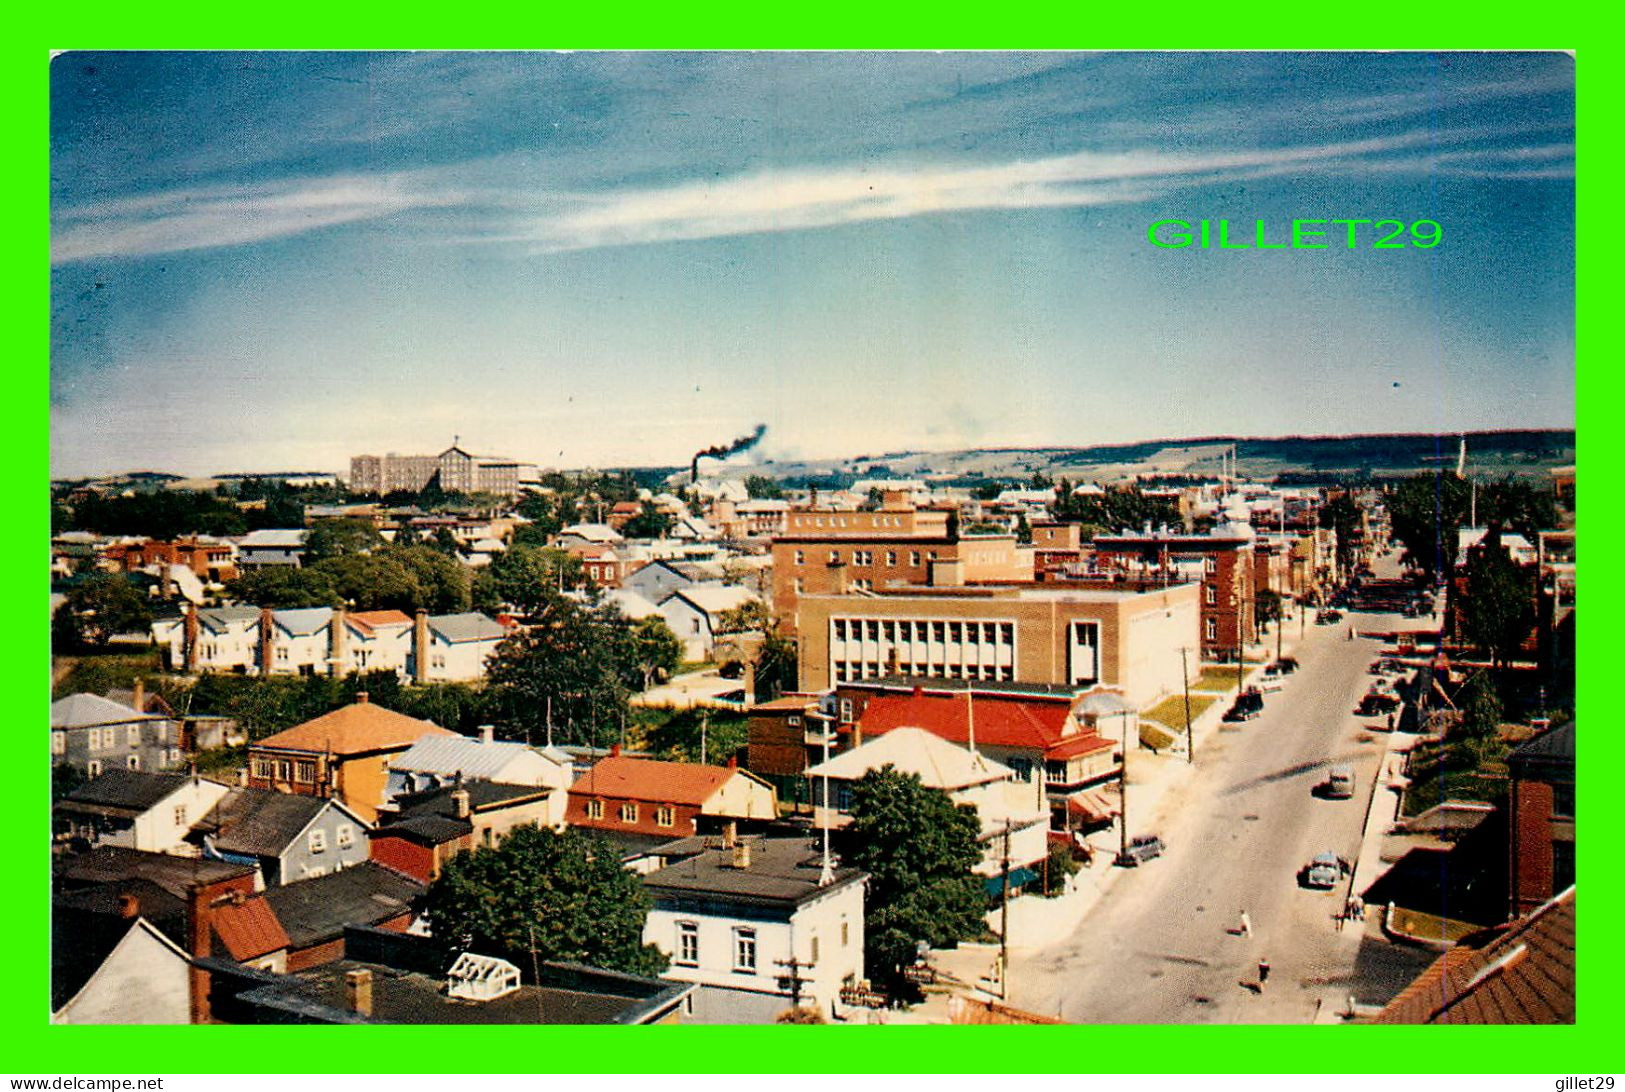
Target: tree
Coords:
[[526, 577], [98, 608], [1480, 706], [1267, 607], [918, 849], [1024, 530], [761, 487], [371, 582], [655, 650], [341, 538], [1342, 515], [1498, 610], [285, 587], [1425, 512], [751, 616], [650, 522], [542, 895], [571, 660], [445, 583]]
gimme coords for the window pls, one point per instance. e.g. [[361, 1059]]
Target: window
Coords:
[[262, 768], [629, 813], [1563, 801], [846, 710], [843, 796], [180, 816], [745, 950], [688, 943], [318, 841], [798, 586], [595, 809], [59, 743], [132, 761], [846, 933], [801, 557], [344, 837], [304, 771], [282, 654], [132, 735], [1562, 866], [1212, 595], [1210, 564], [1212, 629], [688, 1005], [665, 815], [1055, 773], [914, 557], [1022, 767], [834, 557], [814, 958], [891, 557], [93, 768]]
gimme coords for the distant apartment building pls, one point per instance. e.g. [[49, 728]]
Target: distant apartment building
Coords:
[[1221, 561], [1127, 636], [460, 472], [210, 559]]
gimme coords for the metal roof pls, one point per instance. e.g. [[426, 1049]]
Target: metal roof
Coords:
[[471, 626], [473, 758], [90, 710]]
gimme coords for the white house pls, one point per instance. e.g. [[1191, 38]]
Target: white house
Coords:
[[436, 762], [144, 979], [377, 640], [1002, 802], [272, 546], [731, 920], [137, 810], [226, 639], [458, 646], [300, 640], [694, 614]]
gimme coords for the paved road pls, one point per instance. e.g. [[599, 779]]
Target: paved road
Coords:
[[1158, 946]]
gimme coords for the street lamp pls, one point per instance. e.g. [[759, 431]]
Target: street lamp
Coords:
[[1103, 703]]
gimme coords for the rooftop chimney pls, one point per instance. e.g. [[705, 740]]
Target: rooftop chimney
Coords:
[[358, 991], [614, 750], [362, 697], [129, 906], [730, 834], [488, 733], [420, 647], [139, 701], [741, 855], [459, 801]]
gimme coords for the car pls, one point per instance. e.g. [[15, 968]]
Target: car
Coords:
[[1248, 704], [1141, 848], [1339, 784], [1322, 872], [1377, 705], [1286, 665]]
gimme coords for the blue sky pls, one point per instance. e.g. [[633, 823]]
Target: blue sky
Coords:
[[274, 261]]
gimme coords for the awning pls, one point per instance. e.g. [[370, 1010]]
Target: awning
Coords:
[[1019, 877]]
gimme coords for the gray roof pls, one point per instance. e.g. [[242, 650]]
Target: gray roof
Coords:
[[274, 538], [114, 864], [472, 626], [90, 710], [782, 871], [316, 910], [303, 621], [1553, 747], [219, 619], [258, 822], [473, 758], [481, 794], [134, 790], [433, 830]]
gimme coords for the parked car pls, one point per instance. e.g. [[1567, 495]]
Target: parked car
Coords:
[[1141, 848], [1248, 704], [1286, 665], [1378, 705], [1339, 783], [1329, 618], [1323, 872]]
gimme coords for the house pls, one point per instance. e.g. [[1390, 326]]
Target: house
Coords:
[[344, 754], [116, 968], [631, 604], [659, 579], [377, 640], [274, 546], [136, 809], [441, 762], [1540, 803], [211, 639], [1518, 973], [432, 827], [395, 978], [580, 534], [1038, 732], [458, 647], [95, 735], [314, 914], [650, 799], [199, 731], [287, 837], [296, 642], [756, 923], [1014, 815], [785, 737], [695, 614]]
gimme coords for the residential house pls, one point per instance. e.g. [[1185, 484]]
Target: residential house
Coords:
[[135, 809], [394, 978], [430, 828], [1540, 803], [444, 762], [660, 578], [287, 837], [755, 923], [1014, 815], [95, 735], [211, 639], [585, 534], [272, 547], [296, 642], [786, 736], [1519, 973], [631, 604], [641, 799], [344, 754], [113, 968], [377, 640], [695, 614], [1040, 733], [313, 914], [453, 647]]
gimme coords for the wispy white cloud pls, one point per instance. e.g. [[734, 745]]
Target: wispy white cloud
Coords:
[[194, 219]]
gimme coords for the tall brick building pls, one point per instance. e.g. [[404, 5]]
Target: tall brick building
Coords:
[[1222, 561]]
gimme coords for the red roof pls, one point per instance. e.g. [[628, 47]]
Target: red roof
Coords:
[[354, 729], [370, 620], [1086, 743], [648, 779], [248, 929], [1001, 721]]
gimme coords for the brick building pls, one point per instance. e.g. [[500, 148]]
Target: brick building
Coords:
[[1541, 802], [1223, 563]]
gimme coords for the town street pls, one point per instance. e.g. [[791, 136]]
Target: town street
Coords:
[[1162, 945]]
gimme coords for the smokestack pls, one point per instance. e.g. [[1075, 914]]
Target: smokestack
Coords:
[[358, 991], [337, 638], [362, 697], [198, 928], [459, 801], [420, 647], [189, 639], [267, 635], [744, 443], [730, 834]]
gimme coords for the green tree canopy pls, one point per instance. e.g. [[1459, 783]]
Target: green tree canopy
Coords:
[[98, 608], [918, 849], [650, 522], [572, 659], [1498, 610], [1424, 513], [761, 487], [528, 578], [341, 538], [282, 587], [541, 895]]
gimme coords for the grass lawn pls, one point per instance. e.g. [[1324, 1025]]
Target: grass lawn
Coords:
[[1216, 677], [1171, 710], [1459, 771]]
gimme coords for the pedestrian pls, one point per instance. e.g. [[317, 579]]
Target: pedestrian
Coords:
[[1359, 908], [1390, 722], [1246, 925], [1263, 973]]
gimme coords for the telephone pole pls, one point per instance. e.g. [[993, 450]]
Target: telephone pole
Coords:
[[1004, 917], [1190, 738]]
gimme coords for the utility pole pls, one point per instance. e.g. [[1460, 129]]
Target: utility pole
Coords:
[[1241, 663], [1185, 675], [826, 875], [1122, 792], [1004, 917], [794, 966], [705, 719]]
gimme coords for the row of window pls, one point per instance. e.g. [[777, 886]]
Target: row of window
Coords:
[[867, 557], [744, 945], [665, 814], [99, 739], [920, 631], [853, 670], [343, 838], [301, 770], [840, 521]]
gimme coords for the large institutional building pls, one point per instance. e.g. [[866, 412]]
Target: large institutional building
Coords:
[[459, 472]]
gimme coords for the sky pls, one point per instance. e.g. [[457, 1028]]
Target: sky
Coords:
[[274, 261]]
